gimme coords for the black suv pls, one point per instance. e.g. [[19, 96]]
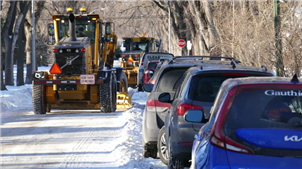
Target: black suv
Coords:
[[198, 89], [167, 80]]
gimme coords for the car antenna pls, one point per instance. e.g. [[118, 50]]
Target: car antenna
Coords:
[[295, 79], [233, 62]]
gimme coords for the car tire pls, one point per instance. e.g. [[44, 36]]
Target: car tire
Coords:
[[162, 146], [174, 163]]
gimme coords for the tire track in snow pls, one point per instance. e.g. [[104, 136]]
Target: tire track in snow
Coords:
[[77, 160]]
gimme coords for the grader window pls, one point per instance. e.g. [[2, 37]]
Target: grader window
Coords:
[[84, 28]]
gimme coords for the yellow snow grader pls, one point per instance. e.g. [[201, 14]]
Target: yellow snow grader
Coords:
[[82, 76], [135, 47]]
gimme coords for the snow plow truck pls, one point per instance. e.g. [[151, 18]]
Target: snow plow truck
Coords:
[[82, 76]]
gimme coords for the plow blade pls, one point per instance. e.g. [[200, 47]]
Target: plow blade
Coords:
[[123, 101]]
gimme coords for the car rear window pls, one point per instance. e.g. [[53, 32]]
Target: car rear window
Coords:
[[267, 121], [204, 87], [169, 78], [263, 109], [152, 65]]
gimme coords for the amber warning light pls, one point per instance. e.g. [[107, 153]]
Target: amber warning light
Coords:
[[55, 69]]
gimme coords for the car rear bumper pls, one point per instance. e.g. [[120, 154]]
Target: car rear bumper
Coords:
[[239, 160], [150, 128], [182, 142]]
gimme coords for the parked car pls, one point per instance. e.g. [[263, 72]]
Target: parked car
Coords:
[[149, 71], [199, 91], [254, 123], [151, 56], [168, 79], [176, 58]]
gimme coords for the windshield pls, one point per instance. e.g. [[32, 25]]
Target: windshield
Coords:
[[84, 28], [136, 46]]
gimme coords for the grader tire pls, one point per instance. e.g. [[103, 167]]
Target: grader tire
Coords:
[[39, 99], [123, 83], [107, 97], [114, 90]]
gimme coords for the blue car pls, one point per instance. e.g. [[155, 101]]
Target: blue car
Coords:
[[255, 122]]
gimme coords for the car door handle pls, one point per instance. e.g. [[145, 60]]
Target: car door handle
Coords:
[[165, 109]]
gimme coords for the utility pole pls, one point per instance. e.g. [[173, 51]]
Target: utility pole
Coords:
[[278, 42], [33, 36], [167, 2]]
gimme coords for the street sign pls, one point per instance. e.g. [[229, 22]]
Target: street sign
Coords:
[[189, 45], [181, 43]]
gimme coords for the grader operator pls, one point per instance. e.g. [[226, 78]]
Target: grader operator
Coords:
[[82, 75]]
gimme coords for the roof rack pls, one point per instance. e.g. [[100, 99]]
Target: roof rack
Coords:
[[202, 58], [295, 79], [264, 67], [233, 63]]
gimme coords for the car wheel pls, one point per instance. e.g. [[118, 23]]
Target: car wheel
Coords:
[[162, 146]]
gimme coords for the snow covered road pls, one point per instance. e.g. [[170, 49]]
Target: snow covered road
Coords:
[[70, 139]]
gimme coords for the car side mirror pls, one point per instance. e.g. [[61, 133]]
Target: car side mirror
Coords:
[[165, 98], [150, 73], [194, 116], [148, 87]]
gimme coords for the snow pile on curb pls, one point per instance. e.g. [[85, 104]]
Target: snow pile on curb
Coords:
[[131, 148], [16, 97]]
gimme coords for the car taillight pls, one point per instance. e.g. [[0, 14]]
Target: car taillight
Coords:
[[183, 108], [142, 63], [146, 78], [150, 105], [218, 137], [152, 82]]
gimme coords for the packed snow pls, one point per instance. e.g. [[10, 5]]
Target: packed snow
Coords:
[[71, 138]]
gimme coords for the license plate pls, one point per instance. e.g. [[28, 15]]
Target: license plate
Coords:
[[87, 79]]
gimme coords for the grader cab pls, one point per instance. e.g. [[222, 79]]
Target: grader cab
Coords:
[[135, 49], [82, 75]]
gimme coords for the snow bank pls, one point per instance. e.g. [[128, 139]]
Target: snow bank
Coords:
[[16, 98], [130, 151]]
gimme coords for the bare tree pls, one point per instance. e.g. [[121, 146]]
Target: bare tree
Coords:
[[7, 35], [1, 55], [19, 34], [28, 32]]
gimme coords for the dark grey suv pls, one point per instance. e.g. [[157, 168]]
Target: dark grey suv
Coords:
[[168, 78], [198, 91]]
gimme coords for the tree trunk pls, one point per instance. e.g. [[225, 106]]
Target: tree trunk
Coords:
[[21, 53], [2, 86], [24, 6], [28, 34], [28, 31], [7, 35]]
